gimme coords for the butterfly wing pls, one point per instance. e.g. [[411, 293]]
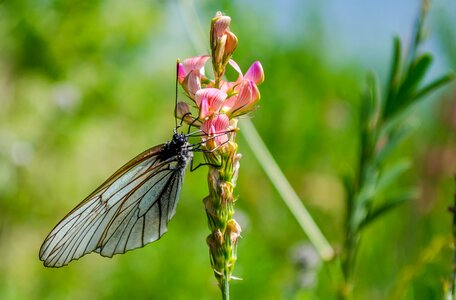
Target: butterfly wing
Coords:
[[129, 210]]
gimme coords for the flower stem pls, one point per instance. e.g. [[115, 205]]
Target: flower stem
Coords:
[[225, 288]]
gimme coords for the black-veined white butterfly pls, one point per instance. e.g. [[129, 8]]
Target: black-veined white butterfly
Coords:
[[129, 210]]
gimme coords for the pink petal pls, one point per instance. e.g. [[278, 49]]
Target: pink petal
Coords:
[[192, 83], [245, 94], [206, 127], [220, 49], [221, 25], [204, 109], [195, 63], [180, 73], [214, 99], [224, 85], [244, 101], [215, 126], [231, 42], [221, 123], [255, 92], [235, 67], [229, 103], [255, 73]]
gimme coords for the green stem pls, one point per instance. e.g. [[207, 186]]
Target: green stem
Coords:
[[225, 288], [452, 289]]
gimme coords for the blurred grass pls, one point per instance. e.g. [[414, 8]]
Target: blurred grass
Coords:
[[85, 86]]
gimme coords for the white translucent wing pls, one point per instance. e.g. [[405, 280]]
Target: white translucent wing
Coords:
[[131, 209]]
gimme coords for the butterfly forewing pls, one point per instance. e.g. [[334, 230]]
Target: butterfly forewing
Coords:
[[130, 209]]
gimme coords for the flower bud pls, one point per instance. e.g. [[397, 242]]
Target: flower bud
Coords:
[[182, 109], [223, 43], [219, 25], [230, 44], [180, 73], [183, 112], [233, 231]]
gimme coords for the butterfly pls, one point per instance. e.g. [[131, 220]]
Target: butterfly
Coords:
[[129, 210]]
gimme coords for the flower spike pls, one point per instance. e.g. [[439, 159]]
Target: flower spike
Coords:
[[218, 103]]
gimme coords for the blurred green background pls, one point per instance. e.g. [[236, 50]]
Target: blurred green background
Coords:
[[86, 85]]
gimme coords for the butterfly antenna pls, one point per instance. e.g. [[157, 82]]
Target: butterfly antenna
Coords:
[[191, 125], [175, 100]]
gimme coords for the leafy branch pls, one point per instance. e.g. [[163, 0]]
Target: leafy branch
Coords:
[[381, 130]]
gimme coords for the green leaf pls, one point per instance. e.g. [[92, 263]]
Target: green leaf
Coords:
[[389, 205], [416, 73], [391, 174], [394, 71], [435, 85], [372, 187], [395, 137], [405, 95], [363, 199], [348, 184], [350, 201], [369, 123]]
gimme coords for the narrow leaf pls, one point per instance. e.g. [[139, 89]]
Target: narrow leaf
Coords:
[[394, 70], [404, 96], [392, 173], [389, 205], [435, 85], [394, 139], [416, 72]]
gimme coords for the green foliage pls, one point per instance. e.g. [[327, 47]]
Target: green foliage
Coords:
[[116, 59], [380, 133]]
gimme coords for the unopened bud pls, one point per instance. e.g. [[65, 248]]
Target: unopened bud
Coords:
[[219, 25], [223, 43], [183, 113], [234, 230], [226, 194], [182, 109], [180, 72], [230, 44]]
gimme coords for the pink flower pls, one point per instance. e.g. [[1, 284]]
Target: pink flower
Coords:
[[214, 129], [190, 72], [255, 73], [190, 64], [209, 101], [212, 97], [247, 95]]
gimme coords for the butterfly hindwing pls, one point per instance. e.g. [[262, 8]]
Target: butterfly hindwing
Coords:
[[131, 209]]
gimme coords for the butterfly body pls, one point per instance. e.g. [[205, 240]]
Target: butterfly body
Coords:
[[129, 210]]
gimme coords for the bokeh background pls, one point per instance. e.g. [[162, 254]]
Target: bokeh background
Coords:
[[86, 85]]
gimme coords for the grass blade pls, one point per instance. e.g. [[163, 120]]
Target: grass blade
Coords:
[[285, 190]]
